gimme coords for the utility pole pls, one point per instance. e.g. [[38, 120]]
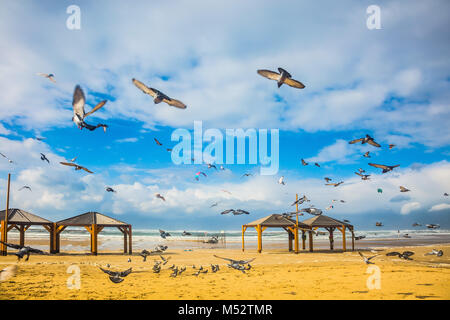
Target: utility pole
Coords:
[[4, 223]]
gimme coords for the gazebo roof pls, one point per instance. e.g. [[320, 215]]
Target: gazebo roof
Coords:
[[89, 218], [323, 221], [274, 220], [21, 217]]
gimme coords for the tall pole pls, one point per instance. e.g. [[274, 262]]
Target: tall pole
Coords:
[[5, 222], [296, 224]]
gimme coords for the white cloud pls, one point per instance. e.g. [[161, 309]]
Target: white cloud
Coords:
[[440, 207], [410, 206], [125, 140]]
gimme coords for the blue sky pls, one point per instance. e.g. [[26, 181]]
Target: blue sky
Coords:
[[391, 83]]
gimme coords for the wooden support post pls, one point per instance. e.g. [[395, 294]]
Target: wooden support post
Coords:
[[259, 238], [4, 229], [125, 235], [310, 241], [296, 239], [289, 240], [353, 240], [94, 239], [344, 244], [243, 231], [22, 235], [130, 242], [303, 240]]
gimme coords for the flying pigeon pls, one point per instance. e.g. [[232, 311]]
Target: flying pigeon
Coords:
[[403, 189], [79, 114], [367, 260], [158, 96], [246, 175], [164, 234], [49, 76], [415, 224], [433, 226], [241, 262], [304, 162], [239, 212], [227, 211], [157, 142], [446, 194], [214, 205], [301, 200], [9, 160], [378, 224], [345, 220], [211, 166], [334, 184], [313, 211], [23, 250], [384, 167], [281, 181], [327, 179], [405, 255], [44, 158], [25, 187], [282, 77], [367, 154], [158, 195], [77, 167], [359, 237], [197, 175], [368, 139], [186, 233], [361, 170], [391, 146], [116, 276], [164, 260], [109, 189], [316, 164], [363, 176], [226, 191]]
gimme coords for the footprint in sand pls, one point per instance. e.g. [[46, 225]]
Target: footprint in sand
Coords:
[[424, 297], [360, 291]]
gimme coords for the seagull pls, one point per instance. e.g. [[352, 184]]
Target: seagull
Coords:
[[316, 164], [109, 189], [391, 146], [77, 167], [79, 114], [158, 96], [367, 154], [8, 272], [158, 195], [49, 76], [384, 167], [368, 139], [164, 234], [23, 250], [157, 142], [439, 253], [186, 233], [304, 162], [363, 176], [25, 187], [327, 179], [367, 260], [334, 184], [44, 158], [9, 160], [403, 189], [282, 77], [116, 276], [281, 181], [197, 175]]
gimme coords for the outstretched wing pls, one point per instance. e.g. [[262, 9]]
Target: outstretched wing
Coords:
[[373, 143], [109, 272], [98, 106], [356, 141], [37, 251], [175, 103], [125, 273], [359, 174], [370, 258], [294, 83], [380, 166], [78, 101], [144, 88], [69, 164], [231, 260], [12, 245], [86, 169], [269, 74]]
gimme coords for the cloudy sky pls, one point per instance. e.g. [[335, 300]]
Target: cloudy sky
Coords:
[[392, 83]]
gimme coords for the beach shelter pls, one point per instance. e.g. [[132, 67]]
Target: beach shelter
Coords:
[[22, 220], [330, 224], [94, 222], [275, 221]]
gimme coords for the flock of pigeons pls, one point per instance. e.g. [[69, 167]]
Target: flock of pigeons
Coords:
[[406, 255]]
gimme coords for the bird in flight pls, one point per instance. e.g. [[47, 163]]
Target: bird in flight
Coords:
[[304, 162], [211, 166], [158, 96], [415, 224], [226, 191], [283, 77], [197, 175], [327, 179], [23, 250], [367, 154], [384, 167], [25, 187], [334, 184], [157, 142], [378, 224], [186, 233], [313, 211], [44, 158], [9, 160], [363, 176], [246, 175], [214, 205], [49, 76], [316, 164], [241, 262], [301, 200], [78, 102], [158, 195], [403, 189], [391, 146], [116, 276], [109, 189], [164, 234], [404, 255], [77, 167], [368, 139], [361, 170], [367, 260], [433, 226], [445, 194], [281, 181]]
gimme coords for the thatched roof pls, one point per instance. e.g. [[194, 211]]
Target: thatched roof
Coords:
[[19, 216], [323, 221], [88, 218], [275, 220]]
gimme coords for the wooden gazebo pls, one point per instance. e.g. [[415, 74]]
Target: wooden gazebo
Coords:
[[276, 221], [22, 220], [330, 224], [94, 222]]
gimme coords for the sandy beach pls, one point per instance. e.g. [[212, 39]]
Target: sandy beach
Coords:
[[275, 274]]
